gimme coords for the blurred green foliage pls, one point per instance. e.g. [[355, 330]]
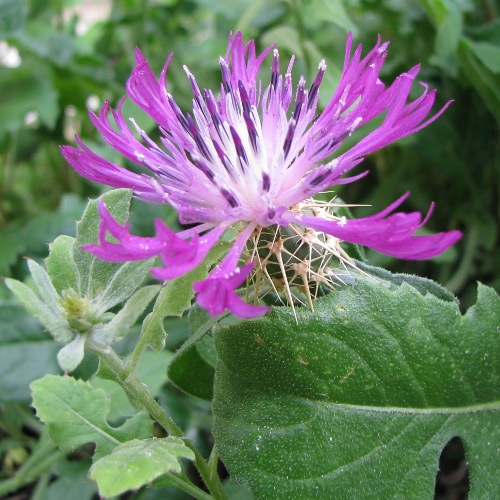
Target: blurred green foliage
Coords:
[[56, 61]]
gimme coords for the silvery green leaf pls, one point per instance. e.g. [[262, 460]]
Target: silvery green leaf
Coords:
[[108, 333], [136, 463], [61, 266], [56, 325], [93, 274], [121, 284], [45, 287], [359, 399], [71, 355], [76, 414]]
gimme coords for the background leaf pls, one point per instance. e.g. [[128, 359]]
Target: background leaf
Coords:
[[72, 482], [21, 94], [26, 352], [12, 16], [360, 398]]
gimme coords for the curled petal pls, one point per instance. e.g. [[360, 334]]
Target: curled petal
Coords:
[[178, 254], [392, 234], [184, 256], [97, 169], [217, 293], [147, 92], [129, 247]]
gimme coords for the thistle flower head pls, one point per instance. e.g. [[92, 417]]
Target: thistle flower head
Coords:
[[247, 160]]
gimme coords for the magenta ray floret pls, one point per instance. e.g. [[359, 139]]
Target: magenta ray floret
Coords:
[[250, 158]]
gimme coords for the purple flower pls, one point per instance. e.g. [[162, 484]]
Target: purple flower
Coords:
[[247, 162]]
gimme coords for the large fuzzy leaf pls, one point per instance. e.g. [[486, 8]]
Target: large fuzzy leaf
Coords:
[[359, 399]]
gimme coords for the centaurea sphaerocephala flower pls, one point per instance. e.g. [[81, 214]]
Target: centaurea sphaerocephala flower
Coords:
[[248, 160]]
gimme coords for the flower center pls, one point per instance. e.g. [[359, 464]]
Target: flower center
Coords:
[[295, 264]]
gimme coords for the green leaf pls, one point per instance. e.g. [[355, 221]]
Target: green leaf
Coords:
[[75, 414], [60, 264], [71, 355], [124, 280], [449, 31], [45, 287], [480, 76], [136, 463], [127, 317], [71, 482], [359, 399], [284, 36], [423, 285], [334, 12], [13, 244], [26, 352], [488, 54]]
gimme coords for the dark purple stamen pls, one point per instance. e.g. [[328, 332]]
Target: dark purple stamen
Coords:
[[315, 86], [211, 102], [229, 197], [224, 159], [178, 113], [266, 182], [226, 76], [245, 101], [240, 150], [196, 92], [299, 99], [252, 132], [195, 134], [319, 178], [214, 113], [289, 137], [275, 69], [202, 166], [226, 82]]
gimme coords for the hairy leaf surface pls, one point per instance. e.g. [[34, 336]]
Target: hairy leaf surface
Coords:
[[360, 398]]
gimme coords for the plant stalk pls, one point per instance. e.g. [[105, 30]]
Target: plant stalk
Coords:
[[140, 397]]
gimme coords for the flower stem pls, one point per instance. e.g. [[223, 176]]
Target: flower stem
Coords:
[[188, 487], [456, 282], [140, 397]]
